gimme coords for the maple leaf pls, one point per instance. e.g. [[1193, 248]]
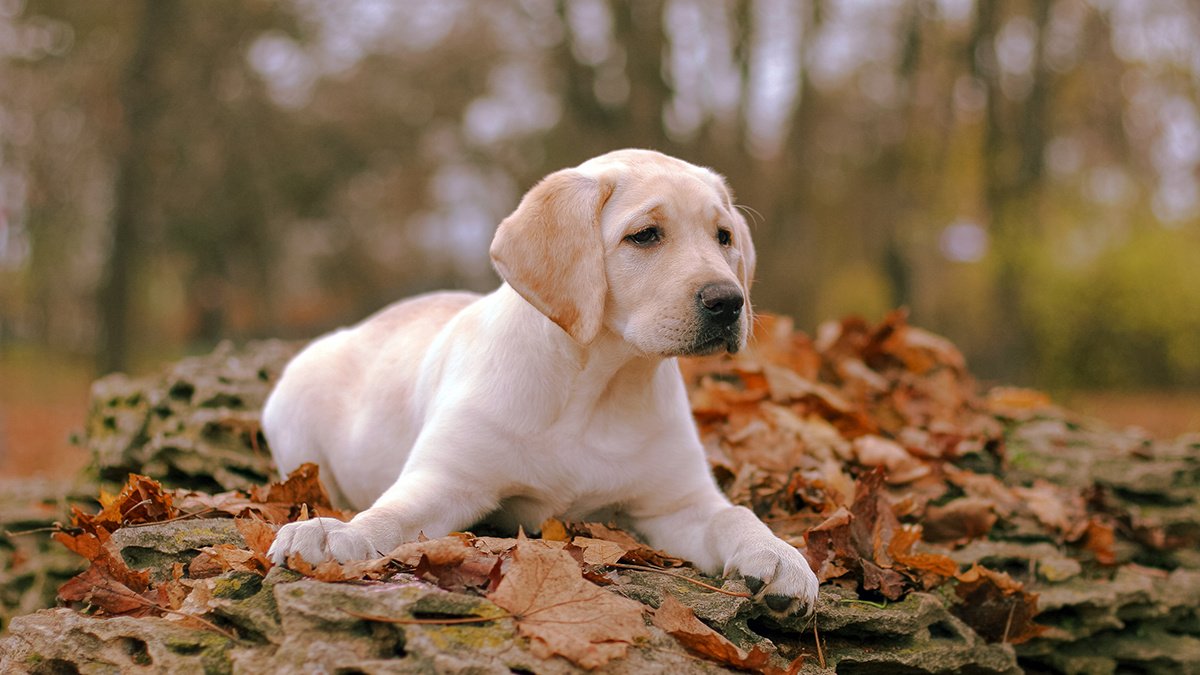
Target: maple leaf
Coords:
[[680, 622], [141, 500], [562, 613]]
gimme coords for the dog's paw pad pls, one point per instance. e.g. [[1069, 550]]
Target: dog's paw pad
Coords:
[[779, 603]]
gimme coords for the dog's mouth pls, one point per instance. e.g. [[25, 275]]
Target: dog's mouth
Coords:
[[707, 344]]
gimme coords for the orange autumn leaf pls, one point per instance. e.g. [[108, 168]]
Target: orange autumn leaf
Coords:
[[258, 536]]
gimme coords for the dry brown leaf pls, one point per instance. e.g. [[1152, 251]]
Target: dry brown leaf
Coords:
[[205, 565], [959, 520], [329, 570], [96, 587], [258, 536], [226, 557], [449, 550], [871, 450], [561, 613], [636, 552], [828, 546], [554, 530], [141, 500], [280, 503], [452, 562], [1100, 539], [302, 486], [996, 606], [931, 569], [776, 341], [599, 551], [1053, 506], [680, 622], [108, 583]]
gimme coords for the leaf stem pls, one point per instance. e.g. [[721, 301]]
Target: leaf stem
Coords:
[[182, 516], [427, 622]]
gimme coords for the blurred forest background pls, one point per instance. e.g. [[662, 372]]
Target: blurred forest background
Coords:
[[1023, 175]]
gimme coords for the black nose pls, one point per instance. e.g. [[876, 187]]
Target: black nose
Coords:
[[721, 302]]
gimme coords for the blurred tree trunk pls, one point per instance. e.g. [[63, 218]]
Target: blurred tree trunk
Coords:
[[1013, 152], [790, 238], [898, 173], [141, 105]]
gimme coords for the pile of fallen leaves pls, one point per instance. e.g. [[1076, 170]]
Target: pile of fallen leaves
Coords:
[[550, 587], [871, 447], [868, 446]]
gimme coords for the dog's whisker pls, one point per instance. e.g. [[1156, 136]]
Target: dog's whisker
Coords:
[[750, 210]]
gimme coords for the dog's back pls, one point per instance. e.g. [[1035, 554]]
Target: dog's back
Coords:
[[309, 413]]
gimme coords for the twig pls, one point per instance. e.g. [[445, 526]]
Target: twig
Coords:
[[820, 652], [129, 510], [427, 622], [643, 568], [50, 528], [182, 516], [1008, 624], [868, 603]]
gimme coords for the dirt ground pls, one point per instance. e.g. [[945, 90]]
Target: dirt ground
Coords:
[[42, 403]]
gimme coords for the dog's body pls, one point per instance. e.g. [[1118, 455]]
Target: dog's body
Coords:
[[555, 395]]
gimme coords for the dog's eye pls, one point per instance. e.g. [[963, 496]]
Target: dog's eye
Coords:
[[646, 237], [724, 237]]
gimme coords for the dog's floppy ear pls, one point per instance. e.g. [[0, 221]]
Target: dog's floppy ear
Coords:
[[550, 251]]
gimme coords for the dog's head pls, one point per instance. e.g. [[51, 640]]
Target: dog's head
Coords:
[[647, 246]]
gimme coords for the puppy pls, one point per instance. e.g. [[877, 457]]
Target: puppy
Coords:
[[555, 395]]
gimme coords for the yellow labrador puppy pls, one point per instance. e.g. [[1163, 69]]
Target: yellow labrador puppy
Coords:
[[556, 394]]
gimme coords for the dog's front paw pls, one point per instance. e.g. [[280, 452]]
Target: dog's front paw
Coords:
[[778, 575], [321, 539]]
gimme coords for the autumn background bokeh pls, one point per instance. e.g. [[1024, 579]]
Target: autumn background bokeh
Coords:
[[1022, 175]]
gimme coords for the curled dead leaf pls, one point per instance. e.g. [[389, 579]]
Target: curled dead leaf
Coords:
[[996, 606], [681, 623]]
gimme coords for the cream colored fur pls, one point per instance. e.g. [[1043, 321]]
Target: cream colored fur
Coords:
[[555, 395]]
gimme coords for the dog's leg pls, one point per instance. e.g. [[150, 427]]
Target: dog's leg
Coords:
[[718, 536], [433, 503]]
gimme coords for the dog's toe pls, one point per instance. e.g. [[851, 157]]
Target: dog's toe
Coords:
[[320, 539], [779, 576]]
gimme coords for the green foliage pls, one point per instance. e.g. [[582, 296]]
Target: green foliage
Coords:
[[1129, 316]]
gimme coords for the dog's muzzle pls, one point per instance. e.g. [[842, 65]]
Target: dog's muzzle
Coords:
[[719, 306]]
